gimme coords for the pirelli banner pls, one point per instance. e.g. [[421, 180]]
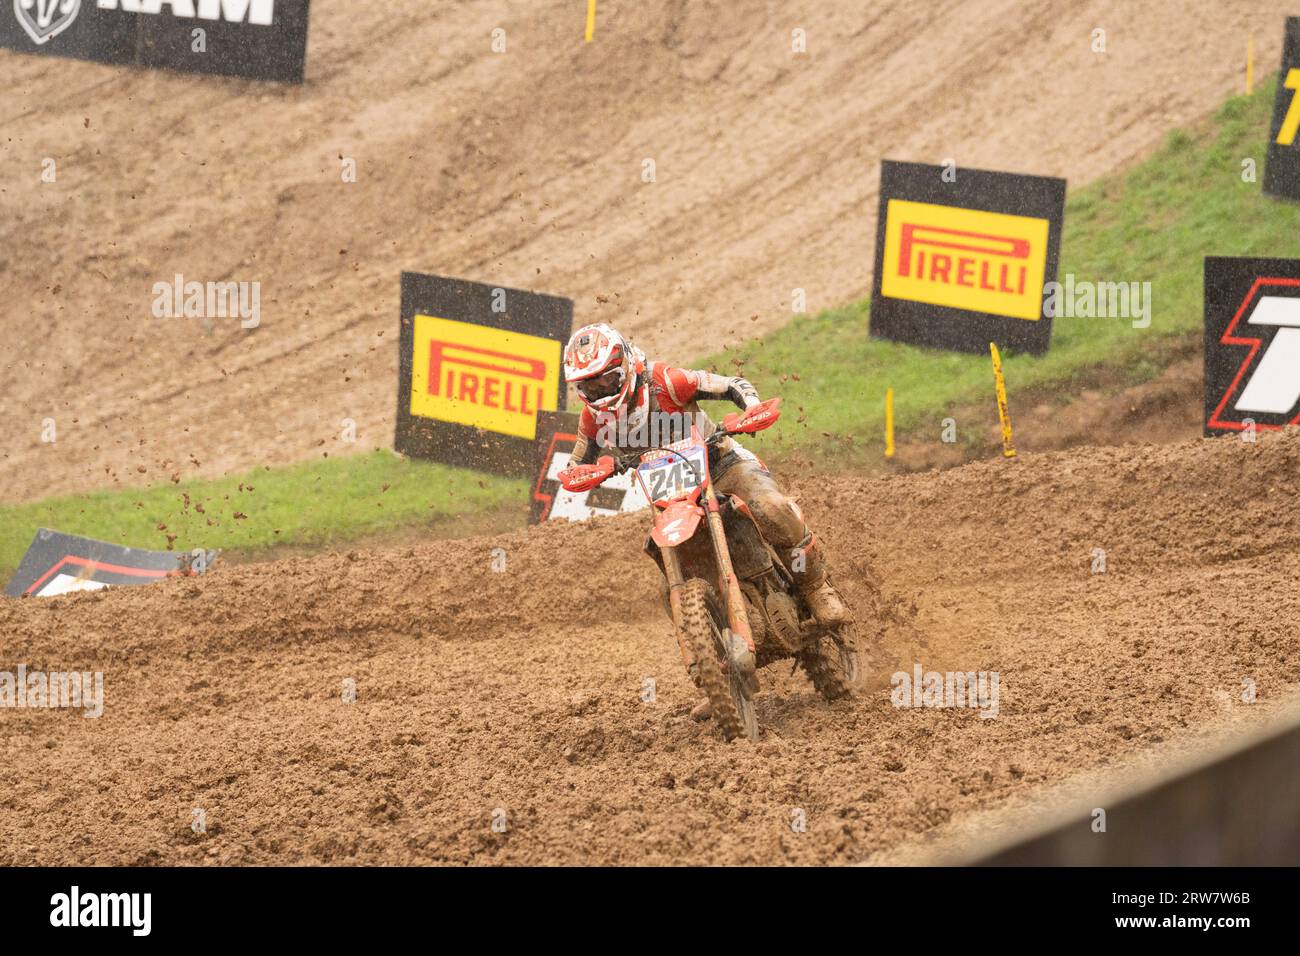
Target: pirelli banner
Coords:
[[962, 256], [1252, 345], [556, 434], [1282, 166], [258, 39], [478, 363]]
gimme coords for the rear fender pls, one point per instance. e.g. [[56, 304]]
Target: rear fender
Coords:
[[676, 523]]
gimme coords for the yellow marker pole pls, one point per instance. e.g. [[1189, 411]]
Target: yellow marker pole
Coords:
[[591, 19], [1250, 62], [889, 423], [1007, 449]]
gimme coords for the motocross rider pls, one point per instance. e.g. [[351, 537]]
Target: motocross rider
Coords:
[[619, 388]]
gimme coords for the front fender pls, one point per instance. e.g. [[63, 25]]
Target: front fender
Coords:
[[676, 523]]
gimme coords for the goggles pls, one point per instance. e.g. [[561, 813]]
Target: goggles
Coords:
[[606, 385]]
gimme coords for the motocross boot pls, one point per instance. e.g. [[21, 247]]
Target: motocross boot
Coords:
[[826, 604], [808, 566]]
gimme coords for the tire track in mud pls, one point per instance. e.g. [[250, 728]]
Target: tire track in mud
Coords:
[[522, 691]]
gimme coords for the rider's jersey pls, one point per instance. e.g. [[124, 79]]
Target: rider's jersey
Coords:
[[666, 400]]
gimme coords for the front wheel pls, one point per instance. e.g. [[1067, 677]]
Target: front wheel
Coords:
[[830, 659], [702, 626]]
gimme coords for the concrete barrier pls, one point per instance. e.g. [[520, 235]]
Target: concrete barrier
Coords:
[[1236, 805]]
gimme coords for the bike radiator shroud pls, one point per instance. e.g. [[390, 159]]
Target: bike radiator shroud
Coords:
[[750, 556]]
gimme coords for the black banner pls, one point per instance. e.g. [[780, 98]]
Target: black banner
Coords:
[[477, 364], [556, 434], [57, 563], [334, 907], [1252, 344], [1282, 167], [257, 39], [963, 255]]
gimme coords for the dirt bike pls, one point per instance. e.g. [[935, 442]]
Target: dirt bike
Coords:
[[734, 604]]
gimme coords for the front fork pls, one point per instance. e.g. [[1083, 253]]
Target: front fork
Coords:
[[734, 600], [673, 571], [737, 617]]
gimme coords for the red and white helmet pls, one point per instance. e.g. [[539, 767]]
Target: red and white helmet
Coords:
[[603, 365]]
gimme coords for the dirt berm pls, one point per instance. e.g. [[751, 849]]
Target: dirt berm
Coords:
[[521, 690]]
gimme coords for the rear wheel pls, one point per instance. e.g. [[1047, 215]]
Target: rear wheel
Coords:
[[830, 659], [702, 626]]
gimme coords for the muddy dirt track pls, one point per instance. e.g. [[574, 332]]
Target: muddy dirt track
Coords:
[[521, 690], [521, 168]]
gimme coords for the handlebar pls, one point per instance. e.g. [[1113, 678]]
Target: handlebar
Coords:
[[625, 463], [754, 419]]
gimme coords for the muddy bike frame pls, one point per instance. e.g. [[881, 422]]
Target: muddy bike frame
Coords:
[[689, 509], [733, 601]]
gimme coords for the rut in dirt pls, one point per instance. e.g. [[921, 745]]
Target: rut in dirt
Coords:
[[526, 692]]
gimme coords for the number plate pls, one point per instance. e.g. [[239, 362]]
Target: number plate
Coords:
[[666, 477]]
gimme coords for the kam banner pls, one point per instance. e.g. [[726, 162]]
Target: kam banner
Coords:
[[963, 255], [1252, 344], [257, 39], [477, 364]]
